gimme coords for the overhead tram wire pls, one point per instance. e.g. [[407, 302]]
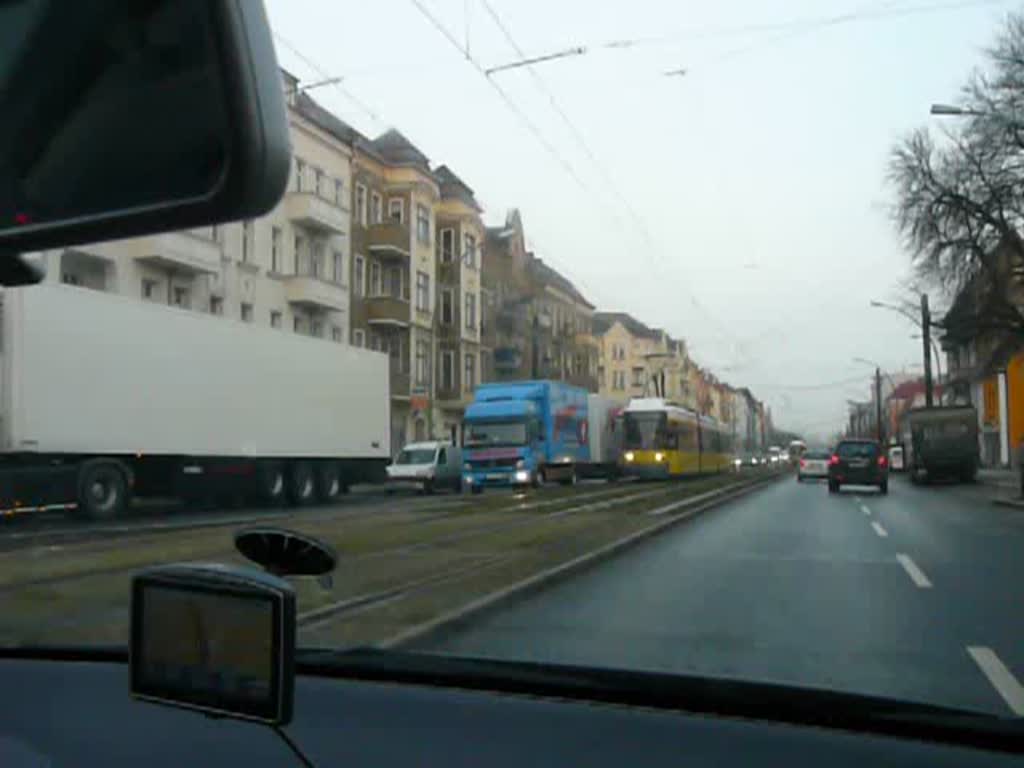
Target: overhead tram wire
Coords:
[[372, 113]]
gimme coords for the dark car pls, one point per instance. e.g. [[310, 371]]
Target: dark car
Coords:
[[858, 462]]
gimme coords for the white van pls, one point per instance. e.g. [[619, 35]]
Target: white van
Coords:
[[428, 465]]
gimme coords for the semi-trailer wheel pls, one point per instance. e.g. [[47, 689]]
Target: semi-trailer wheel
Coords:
[[328, 481], [102, 489], [272, 490], [301, 483]]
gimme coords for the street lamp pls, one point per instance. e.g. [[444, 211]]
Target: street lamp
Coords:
[[951, 110]]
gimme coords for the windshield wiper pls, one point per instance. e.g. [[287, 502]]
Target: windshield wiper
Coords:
[[682, 693]]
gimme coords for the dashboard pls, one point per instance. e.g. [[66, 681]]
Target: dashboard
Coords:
[[60, 713]]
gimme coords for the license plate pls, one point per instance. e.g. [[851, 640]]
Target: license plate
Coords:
[[858, 463], [495, 476]]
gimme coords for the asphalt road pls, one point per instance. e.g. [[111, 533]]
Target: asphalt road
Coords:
[[917, 595]]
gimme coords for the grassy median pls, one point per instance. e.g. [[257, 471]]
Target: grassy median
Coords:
[[405, 567]]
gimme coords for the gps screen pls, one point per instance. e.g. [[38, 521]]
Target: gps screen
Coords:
[[208, 649]]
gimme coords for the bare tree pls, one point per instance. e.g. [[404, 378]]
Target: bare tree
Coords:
[[960, 199]]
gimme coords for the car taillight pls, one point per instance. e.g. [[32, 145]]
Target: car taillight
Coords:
[[882, 461], [833, 460]]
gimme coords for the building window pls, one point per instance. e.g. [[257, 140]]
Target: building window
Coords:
[[618, 380], [318, 180], [300, 247], [470, 311], [216, 305], [376, 208], [316, 329], [361, 204], [275, 318], [375, 341], [447, 245], [247, 241], [339, 192], [396, 209], [374, 278], [469, 254], [358, 277], [180, 297], [422, 292], [485, 366], [422, 223], [300, 171], [298, 324], [638, 377], [358, 337], [447, 369], [469, 377], [339, 267], [246, 312], [447, 306], [422, 356], [69, 278], [275, 249], [316, 258], [149, 288], [336, 333]]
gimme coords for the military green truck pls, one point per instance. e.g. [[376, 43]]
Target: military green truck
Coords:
[[940, 442]]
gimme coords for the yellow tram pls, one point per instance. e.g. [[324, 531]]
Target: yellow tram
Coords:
[[663, 440]]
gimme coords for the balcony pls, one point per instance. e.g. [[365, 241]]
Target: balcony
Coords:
[[313, 212], [388, 238], [387, 310], [178, 251], [313, 293]]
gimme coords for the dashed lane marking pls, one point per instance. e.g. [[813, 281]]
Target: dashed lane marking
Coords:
[[879, 529], [916, 574], [864, 509], [999, 676]]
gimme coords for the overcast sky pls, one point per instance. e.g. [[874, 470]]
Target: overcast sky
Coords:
[[741, 206]]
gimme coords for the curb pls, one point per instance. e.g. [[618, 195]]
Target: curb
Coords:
[[493, 600], [1011, 503]]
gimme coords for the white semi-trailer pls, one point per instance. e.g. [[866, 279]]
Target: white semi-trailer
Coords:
[[104, 397]]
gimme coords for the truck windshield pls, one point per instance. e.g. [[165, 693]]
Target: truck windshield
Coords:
[[645, 431], [495, 433], [416, 456]]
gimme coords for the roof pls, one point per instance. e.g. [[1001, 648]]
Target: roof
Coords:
[[308, 107], [454, 187], [550, 276], [604, 320], [395, 148]]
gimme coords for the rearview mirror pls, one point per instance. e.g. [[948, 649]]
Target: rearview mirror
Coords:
[[119, 119]]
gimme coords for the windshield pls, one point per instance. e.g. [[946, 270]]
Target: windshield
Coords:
[[416, 456], [613, 217], [645, 430], [491, 433]]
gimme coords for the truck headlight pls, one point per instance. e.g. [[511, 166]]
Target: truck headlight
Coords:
[[629, 456], [522, 476], [659, 456]]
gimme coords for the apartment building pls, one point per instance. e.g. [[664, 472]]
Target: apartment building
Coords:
[[639, 361], [393, 274], [543, 324], [459, 245], [285, 270]]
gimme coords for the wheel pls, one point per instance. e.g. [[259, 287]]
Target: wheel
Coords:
[[301, 483], [477, 490], [539, 478], [271, 482], [884, 487], [833, 487], [428, 486], [572, 479], [799, 478], [458, 485], [102, 490], [328, 481]]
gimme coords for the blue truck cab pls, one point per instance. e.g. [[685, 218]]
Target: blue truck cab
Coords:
[[524, 433]]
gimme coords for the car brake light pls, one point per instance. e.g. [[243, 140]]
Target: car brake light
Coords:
[[833, 460], [882, 461]]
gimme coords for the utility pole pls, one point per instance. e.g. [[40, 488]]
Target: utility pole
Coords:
[[926, 340], [878, 403]]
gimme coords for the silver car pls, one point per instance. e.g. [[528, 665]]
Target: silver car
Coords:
[[813, 466]]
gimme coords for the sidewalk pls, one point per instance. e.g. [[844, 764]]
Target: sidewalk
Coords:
[[1005, 484]]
